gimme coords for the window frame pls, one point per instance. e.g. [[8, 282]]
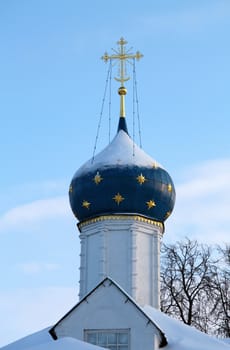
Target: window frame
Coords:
[[107, 331]]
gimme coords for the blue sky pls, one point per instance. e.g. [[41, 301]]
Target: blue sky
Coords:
[[51, 87]]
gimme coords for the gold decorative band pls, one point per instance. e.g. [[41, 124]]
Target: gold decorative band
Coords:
[[122, 217]]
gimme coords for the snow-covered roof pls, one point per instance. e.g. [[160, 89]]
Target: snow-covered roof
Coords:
[[182, 337], [42, 340], [34, 339]]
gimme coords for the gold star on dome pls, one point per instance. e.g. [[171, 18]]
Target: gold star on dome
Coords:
[[70, 189], [118, 198], [150, 204], [141, 179], [86, 204], [97, 178], [169, 187], [167, 214]]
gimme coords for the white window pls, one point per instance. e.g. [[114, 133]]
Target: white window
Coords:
[[113, 339]]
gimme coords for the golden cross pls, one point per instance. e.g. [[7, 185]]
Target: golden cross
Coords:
[[122, 55]]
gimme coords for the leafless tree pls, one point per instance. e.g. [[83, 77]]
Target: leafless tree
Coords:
[[221, 288], [186, 283]]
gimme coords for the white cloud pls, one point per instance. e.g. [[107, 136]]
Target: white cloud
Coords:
[[203, 204], [37, 267], [24, 311], [211, 177], [34, 212]]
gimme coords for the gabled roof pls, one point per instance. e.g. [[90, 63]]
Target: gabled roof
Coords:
[[128, 298]]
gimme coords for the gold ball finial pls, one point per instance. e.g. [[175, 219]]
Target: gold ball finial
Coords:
[[122, 90]]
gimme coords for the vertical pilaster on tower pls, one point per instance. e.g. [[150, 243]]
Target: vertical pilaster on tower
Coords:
[[102, 255], [155, 247], [133, 265], [82, 268]]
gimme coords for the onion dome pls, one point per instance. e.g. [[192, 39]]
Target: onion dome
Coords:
[[122, 179]]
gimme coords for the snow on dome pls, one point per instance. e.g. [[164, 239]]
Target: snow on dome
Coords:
[[121, 151]]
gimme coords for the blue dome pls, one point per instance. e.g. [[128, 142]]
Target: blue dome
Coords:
[[122, 179]]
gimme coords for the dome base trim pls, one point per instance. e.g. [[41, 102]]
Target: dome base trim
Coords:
[[121, 217]]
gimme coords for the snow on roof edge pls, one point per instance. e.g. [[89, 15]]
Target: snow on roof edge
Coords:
[[181, 336]]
